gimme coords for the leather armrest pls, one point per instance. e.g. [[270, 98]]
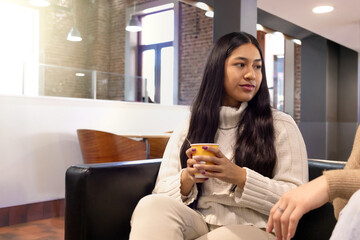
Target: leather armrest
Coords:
[[100, 198], [317, 166]]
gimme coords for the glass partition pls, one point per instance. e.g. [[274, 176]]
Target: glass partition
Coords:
[[89, 34], [52, 80]]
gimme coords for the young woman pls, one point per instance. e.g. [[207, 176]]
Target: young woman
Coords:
[[261, 155], [341, 187]]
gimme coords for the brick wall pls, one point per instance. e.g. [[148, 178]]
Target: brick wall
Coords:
[[102, 26], [195, 43], [297, 99], [60, 52], [117, 23], [97, 51]]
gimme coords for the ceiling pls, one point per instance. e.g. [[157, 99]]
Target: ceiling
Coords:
[[341, 25]]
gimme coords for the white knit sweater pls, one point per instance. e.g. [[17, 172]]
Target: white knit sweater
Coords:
[[250, 206]]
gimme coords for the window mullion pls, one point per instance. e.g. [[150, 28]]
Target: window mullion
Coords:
[[157, 73]]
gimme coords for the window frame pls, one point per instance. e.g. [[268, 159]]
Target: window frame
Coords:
[[157, 48], [132, 53]]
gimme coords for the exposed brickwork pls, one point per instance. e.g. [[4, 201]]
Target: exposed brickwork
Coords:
[[95, 52], [195, 43], [103, 48], [117, 49], [102, 27], [297, 97], [60, 52]]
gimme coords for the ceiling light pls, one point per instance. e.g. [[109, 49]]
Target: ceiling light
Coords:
[[297, 41], [134, 24], [202, 6], [39, 3], [278, 34], [323, 9], [80, 74], [259, 27], [209, 14], [74, 35]]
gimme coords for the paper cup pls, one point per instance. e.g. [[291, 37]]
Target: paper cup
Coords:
[[202, 152]]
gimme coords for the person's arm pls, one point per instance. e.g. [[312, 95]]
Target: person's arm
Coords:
[[255, 191], [342, 185], [168, 179], [353, 162], [314, 194], [173, 180], [260, 193], [333, 185], [286, 213]]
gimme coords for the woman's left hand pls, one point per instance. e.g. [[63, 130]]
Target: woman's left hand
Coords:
[[222, 169]]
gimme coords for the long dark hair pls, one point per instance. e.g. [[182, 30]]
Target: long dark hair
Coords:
[[255, 141]]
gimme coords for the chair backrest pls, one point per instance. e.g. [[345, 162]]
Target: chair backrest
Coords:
[[100, 198], [157, 146], [99, 147]]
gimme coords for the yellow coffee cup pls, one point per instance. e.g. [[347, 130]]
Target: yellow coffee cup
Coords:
[[203, 152]]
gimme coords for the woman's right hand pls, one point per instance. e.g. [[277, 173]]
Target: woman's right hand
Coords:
[[286, 213], [188, 175]]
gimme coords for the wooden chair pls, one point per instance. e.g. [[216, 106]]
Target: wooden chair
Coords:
[[99, 147], [157, 146]]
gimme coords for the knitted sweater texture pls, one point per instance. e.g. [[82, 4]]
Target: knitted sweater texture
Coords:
[[219, 204], [343, 183]]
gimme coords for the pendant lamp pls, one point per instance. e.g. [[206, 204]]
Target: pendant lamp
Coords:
[[74, 33], [134, 24]]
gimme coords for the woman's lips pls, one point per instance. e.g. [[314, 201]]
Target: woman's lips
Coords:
[[247, 87]]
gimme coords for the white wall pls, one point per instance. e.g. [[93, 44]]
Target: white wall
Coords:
[[38, 140]]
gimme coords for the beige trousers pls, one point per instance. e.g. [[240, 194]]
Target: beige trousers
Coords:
[[159, 217]]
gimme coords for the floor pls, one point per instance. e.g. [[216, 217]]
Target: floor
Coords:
[[46, 229]]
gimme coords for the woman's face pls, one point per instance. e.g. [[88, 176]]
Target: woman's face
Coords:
[[242, 75]]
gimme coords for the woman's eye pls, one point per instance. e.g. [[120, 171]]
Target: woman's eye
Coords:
[[240, 64], [257, 67]]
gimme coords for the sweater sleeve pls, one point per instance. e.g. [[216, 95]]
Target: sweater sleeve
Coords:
[[260, 193], [168, 180], [343, 183]]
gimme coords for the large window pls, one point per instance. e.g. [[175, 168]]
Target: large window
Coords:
[[156, 56], [19, 49], [282, 58], [274, 58]]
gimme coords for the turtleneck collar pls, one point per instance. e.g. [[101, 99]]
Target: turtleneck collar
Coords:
[[229, 116]]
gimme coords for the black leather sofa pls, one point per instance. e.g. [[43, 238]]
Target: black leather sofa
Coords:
[[100, 199]]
